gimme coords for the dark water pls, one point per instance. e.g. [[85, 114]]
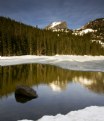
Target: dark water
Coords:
[[59, 91]]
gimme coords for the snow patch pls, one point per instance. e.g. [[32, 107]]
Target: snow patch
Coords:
[[99, 41], [84, 31], [71, 62], [93, 113], [54, 24]]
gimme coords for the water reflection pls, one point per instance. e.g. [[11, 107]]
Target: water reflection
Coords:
[[56, 78], [22, 99], [95, 84], [58, 85]]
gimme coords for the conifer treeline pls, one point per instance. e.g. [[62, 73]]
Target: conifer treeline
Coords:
[[17, 38]]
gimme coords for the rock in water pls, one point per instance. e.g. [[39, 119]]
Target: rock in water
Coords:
[[25, 91]]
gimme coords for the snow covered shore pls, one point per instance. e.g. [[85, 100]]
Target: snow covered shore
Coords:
[[93, 113], [71, 62]]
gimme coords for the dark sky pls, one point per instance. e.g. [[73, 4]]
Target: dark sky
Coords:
[[42, 12]]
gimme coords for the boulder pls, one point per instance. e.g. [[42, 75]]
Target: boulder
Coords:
[[25, 91]]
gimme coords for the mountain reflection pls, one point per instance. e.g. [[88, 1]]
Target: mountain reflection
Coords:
[[58, 85], [96, 83], [56, 78]]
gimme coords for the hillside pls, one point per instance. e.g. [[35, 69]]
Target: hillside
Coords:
[[95, 28], [17, 38], [95, 24]]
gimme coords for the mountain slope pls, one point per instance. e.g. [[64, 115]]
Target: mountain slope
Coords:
[[95, 28], [57, 26], [98, 27], [96, 24]]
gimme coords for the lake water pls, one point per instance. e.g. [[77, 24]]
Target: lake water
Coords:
[[59, 91]]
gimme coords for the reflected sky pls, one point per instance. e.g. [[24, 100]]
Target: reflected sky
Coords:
[[59, 91], [49, 102]]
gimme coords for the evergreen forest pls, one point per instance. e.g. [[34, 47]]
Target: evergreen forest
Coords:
[[17, 38]]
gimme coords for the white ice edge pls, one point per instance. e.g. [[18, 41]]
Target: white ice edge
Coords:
[[71, 62], [93, 113]]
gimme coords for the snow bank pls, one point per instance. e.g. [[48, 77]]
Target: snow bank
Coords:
[[71, 62], [93, 113]]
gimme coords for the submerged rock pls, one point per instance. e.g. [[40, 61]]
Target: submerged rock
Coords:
[[25, 91]]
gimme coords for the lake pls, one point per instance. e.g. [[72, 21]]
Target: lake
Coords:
[[59, 91]]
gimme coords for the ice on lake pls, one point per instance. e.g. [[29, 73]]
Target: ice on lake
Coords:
[[71, 62]]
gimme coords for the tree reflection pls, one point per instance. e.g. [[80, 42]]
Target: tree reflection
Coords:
[[56, 78]]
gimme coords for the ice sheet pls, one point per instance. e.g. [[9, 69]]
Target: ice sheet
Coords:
[[71, 62]]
